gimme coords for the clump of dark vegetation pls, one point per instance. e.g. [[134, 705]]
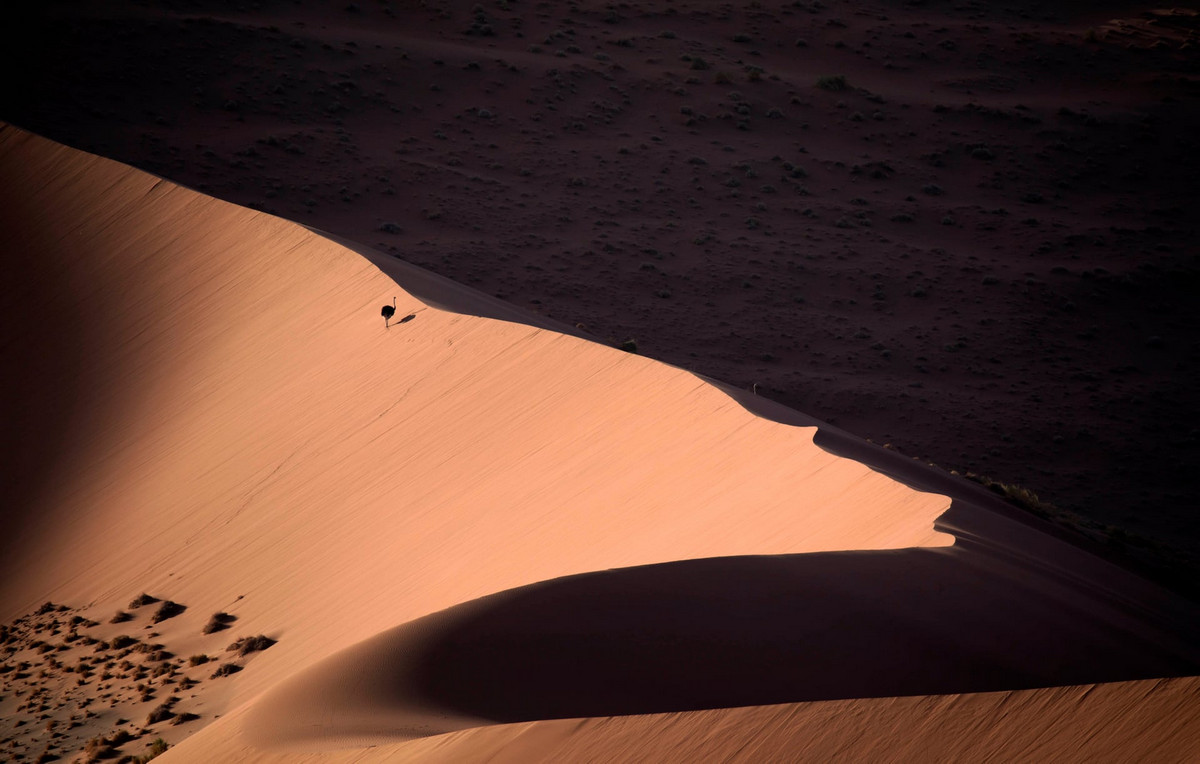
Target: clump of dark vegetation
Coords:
[[121, 617], [198, 660], [629, 346], [142, 599], [184, 718], [157, 748], [167, 610], [161, 712], [218, 622], [247, 645], [101, 747], [225, 670]]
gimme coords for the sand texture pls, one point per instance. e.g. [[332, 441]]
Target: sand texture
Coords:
[[360, 537]]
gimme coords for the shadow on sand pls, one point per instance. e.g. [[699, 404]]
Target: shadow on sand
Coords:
[[760, 630]]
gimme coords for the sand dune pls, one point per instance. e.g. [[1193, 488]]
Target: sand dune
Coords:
[[460, 521]]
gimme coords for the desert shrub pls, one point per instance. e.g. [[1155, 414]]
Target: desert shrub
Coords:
[[218, 622], [157, 748], [225, 670], [247, 645], [98, 748], [1018, 495], [184, 718], [122, 640], [161, 713], [832, 82], [198, 660], [699, 63], [142, 599], [629, 346], [167, 609]]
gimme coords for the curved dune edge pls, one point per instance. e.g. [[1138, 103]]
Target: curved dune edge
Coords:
[[722, 632], [1149, 720], [242, 429]]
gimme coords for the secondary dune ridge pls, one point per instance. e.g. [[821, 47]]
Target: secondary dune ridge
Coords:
[[217, 413]]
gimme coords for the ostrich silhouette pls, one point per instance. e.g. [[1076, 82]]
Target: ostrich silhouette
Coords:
[[387, 312]]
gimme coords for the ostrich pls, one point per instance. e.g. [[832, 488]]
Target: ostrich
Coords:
[[387, 312]]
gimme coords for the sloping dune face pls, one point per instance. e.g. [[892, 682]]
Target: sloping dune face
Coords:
[[453, 522]]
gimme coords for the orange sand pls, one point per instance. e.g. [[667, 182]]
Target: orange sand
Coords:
[[210, 407]]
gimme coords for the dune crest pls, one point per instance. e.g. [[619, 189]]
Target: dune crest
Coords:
[[242, 424], [211, 408]]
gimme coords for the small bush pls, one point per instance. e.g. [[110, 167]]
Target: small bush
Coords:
[[167, 610], [198, 660], [142, 599], [218, 622], [157, 748], [225, 670], [833, 82], [629, 346], [699, 63], [247, 645], [161, 713], [121, 617]]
